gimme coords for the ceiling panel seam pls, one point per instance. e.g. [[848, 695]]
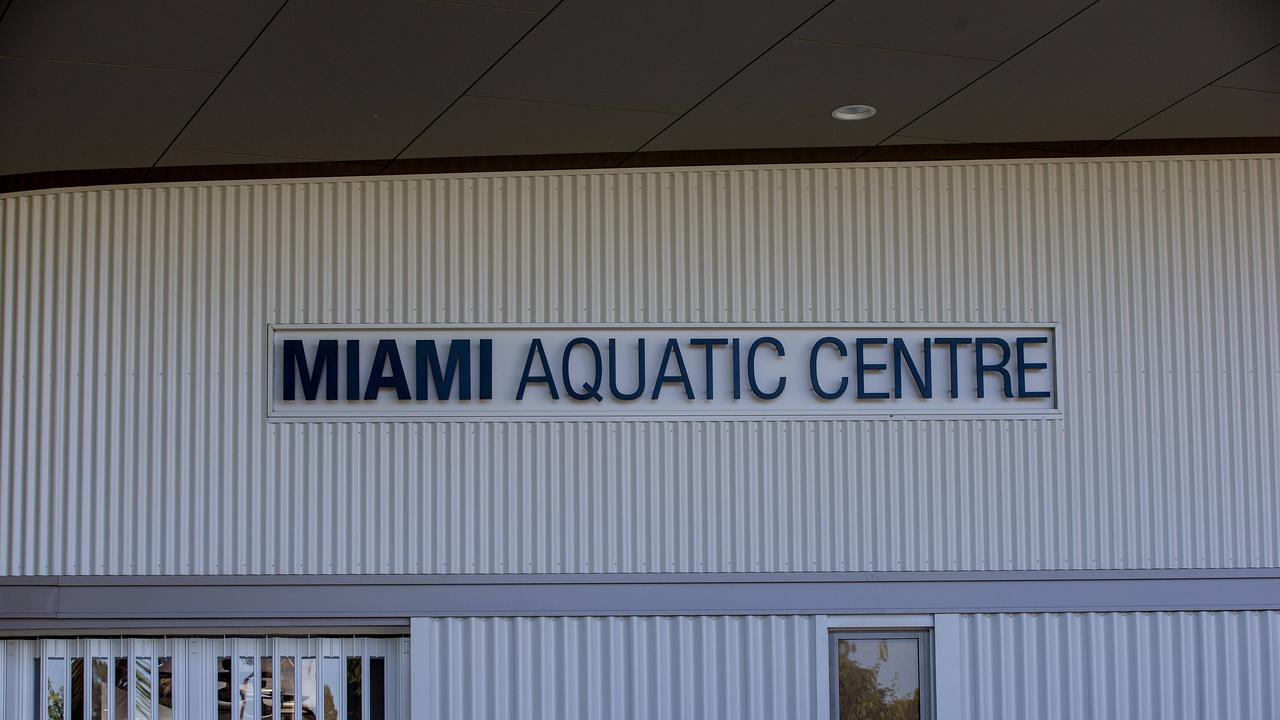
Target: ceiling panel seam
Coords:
[[727, 80], [1184, 97], [467, 89], [1236, 87], [978, 79], [214, 91]]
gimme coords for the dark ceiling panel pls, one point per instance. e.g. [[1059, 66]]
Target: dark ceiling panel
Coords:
[[540, 6], [1108, 69], [75, 116], [496, 126], [785, 99], [334, 80], [661, 55], [205, 36], [1260, 74], [989, 29], [177, 157], [1215, 112]]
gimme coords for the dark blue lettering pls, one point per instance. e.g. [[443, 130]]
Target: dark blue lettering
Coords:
[[591, 390], [953, 347], [613, 371], [862, 366], [1023, 366], [923, 384], [984, 367], [386, 353], [751, 368], [672, 350], [427, 363], [326, 366], [535, 348], [843, 349], [709, 344]]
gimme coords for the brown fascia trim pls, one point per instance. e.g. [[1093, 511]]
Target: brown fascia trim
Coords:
[[682, 158]]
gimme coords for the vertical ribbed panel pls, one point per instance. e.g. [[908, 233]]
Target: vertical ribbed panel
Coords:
[[1138, 666], [618, 667], [133, 436], [18, 680]]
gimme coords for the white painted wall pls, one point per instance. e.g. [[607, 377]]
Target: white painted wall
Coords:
[[127, 313]]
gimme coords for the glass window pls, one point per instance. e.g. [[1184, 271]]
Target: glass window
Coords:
[[266, 699], [98, 692], [120, 705], [377, 688], [287, 700], [354, 673], [224, 687], [77, 688], [308, 689], [55, 689], [334, 684], [244, 688], [142, 680], [881, 675], [164, 686]]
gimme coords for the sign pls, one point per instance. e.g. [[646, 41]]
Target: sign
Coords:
[[327, 372]]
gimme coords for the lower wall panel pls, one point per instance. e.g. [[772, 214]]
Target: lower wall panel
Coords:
[[618, 667], [1136, 666]]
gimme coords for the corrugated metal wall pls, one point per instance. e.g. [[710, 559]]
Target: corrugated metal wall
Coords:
[[619, 667], [126, 313], [1138, 666], [18, 687]]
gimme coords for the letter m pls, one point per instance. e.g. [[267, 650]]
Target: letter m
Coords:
[[295, 363], [428, 369]]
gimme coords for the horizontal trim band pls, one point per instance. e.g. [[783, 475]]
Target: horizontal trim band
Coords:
[[51, 602], [643, 578], [928, 152]]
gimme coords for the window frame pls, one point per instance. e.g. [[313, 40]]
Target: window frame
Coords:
[[924, 639]]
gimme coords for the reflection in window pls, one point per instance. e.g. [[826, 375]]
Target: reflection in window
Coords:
[[244, 686], [353, 688], [77, 688], [164, 683], [98, 690], [308, 682], [287, 702], [224, 687], [55, 689], [334, 684], [377, 688], [879, 678], [266, 700], [121, 702], [144, 688]]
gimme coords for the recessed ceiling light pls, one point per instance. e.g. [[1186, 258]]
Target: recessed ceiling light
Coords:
[[853, 112]]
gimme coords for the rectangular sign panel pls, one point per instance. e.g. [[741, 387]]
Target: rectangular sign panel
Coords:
[[328, 372]]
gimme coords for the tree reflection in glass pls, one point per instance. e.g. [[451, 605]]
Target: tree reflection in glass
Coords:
[[879, 679]]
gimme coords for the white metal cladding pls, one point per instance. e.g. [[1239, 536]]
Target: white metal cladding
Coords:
[[1120, 665], [618, 667], [17, 680], [125, 314], [192, 667]]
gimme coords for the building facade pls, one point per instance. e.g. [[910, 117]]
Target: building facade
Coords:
[[196, 526]]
